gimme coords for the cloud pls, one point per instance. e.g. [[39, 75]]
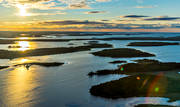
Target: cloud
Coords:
[[32, 4], [104, 20], [133, 26], [52, 4], [72, 22], [162, 18], [133, 16], [86, 25], [95, 12], [175, 26], [103, 0], [45, 14], [76, 4], [140, 7], [126, 20], [148, 18], [101, 25]]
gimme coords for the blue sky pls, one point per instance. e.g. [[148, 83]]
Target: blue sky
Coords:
[[90, 15]]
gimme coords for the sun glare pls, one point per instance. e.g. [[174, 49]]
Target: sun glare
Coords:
[[23, 38], [23, 10], [23, 60], [24, 45]]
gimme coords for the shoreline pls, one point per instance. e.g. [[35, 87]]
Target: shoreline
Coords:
[[177, 38]]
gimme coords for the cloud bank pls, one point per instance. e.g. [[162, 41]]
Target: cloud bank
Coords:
[[52, 4], [133, 16], [104, 25], [95, 12], [162, 18]]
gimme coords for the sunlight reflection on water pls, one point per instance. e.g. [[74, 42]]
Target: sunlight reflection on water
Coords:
[[20, 85], [23, 45]]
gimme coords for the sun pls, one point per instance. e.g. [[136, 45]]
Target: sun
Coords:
[[23, 10]]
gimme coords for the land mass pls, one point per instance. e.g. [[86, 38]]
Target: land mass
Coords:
[[6, 54], [140, 85], [122, 53], [3, 67], [151, 43], [11, 34], [153, 105], [142, 66], [118, 62], [105, 39], [44, 64]]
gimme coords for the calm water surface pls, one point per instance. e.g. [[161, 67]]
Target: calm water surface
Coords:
[[68, 85]]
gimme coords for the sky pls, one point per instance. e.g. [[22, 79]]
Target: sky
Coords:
[[90, 15]]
